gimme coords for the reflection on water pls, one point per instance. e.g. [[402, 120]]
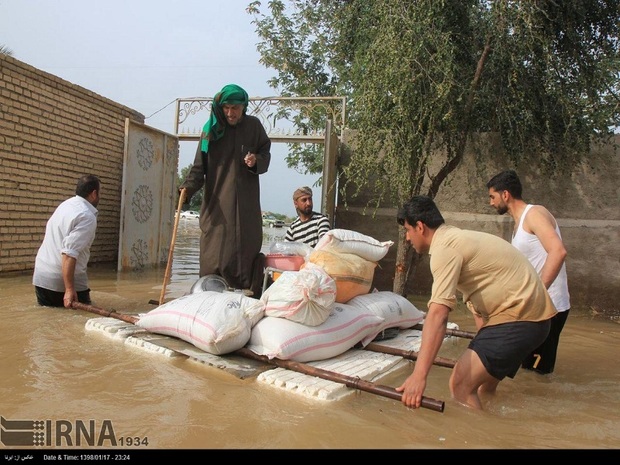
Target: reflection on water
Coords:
[[53, 368], [185, 264]]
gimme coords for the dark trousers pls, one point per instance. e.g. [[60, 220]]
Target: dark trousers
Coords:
[[542, 360], [258, 273], [49, 298]]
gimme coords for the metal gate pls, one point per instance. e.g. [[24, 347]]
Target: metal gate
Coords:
[[148, 200]]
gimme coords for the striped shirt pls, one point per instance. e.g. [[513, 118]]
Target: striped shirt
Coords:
[[309, 231]]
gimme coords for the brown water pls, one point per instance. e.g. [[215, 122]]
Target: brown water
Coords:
[[52, 368]]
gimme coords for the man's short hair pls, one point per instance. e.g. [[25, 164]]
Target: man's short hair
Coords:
[[420, 208], [86, 184], [507, 181], [302, 191]]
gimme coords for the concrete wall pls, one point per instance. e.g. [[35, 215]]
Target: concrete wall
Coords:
[[586, 204], [51, 132]]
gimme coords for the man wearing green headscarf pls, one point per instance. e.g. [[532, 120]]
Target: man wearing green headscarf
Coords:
[[233, 151]]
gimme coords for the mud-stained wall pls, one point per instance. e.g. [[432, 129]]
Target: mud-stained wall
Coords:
[[586, 204], [52, 132]]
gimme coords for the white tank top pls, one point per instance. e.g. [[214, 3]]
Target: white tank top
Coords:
[[531, 247]]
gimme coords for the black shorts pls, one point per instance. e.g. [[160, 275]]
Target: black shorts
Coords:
[[49, 298], [503, 347]]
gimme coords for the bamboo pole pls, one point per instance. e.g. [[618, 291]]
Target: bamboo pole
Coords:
[[349, 381]]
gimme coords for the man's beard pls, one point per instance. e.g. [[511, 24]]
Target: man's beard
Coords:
[[501, 209], [235, 122], [306, 211]]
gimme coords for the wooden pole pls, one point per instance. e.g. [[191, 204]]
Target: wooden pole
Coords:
[[452, 332], [101, 311], [171, 251], [408, 354], [349, 381]]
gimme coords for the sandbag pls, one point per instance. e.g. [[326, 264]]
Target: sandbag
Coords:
[[352, 273], [347, 241], [304, 296], [289, 340], [396, 311], [215, 322]]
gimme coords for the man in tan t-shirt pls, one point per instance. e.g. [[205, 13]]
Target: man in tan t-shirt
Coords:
[[511, 307]]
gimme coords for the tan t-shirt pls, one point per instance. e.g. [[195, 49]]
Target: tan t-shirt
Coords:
[[497, 281]]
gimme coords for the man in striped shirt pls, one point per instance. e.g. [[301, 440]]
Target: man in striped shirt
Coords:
[[310, 226]]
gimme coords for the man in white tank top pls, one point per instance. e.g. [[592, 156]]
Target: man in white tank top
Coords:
[[537, 235]]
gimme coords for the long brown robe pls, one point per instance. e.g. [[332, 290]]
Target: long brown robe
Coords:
[[230, 215]]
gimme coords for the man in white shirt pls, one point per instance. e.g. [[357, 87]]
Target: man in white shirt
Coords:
[[310, 226], [537, 235], [60, 268]]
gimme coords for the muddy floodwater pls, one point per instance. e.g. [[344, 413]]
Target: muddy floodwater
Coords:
[[51, 368]]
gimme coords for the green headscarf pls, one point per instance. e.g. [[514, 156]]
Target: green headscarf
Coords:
[[213, 129]]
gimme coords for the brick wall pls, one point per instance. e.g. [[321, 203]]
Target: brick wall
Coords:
[[51, 132]]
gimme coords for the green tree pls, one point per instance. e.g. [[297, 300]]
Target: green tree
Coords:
[[196, 200], [297, 44], [424, 78]]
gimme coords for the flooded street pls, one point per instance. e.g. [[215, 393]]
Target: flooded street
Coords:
[[53, 369]]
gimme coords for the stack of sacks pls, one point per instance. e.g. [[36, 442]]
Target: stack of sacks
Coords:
[[359, 320], [302, 321], [350, 259], [216, 322]]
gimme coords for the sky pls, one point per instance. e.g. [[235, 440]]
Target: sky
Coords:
[[145, 54]]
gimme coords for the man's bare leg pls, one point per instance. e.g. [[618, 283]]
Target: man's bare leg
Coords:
[[468, 377]]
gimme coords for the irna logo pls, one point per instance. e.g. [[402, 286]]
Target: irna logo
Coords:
[[58, 433]]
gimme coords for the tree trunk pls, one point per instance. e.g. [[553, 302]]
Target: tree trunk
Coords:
[[404, 253]]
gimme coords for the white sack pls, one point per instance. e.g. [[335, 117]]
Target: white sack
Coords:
[[396, 310], [215, 322], [289, 340], [304, 296], [347, 241]]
